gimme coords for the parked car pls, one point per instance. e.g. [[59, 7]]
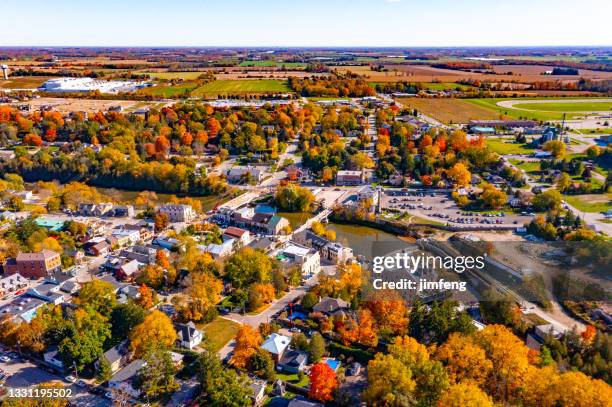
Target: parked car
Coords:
[[70, 379]]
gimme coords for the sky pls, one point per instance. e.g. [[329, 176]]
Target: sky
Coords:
[[301, 23]]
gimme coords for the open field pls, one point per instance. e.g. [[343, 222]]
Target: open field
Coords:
[[244, 86], [219, 332], [586, 106], [590, 203], [451, 110], [502, 147], [174, 75], [23, 82], [425, 73], [506, 107], [530, 167], [169, 90], [269, 63]]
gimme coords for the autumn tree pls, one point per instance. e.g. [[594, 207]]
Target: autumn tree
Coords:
[[145, 299], [460, 175], [247, 343], [248, 266], [465, 395], [323, 382], [390, 382], [203, 293], [492, 197], [389, 311], [155, 331], [464, 360], [557, 148], [161, 221], [99, 295]]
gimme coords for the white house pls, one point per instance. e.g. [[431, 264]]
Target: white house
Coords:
[[52, 357], [307, 259], [276, 344], [177, 212], [188, 335], [124, 380]]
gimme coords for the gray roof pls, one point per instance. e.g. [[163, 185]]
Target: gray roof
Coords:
[[116, 352], [329, 305], [128, 372]]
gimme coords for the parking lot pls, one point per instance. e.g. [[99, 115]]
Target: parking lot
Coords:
[[439, 206]]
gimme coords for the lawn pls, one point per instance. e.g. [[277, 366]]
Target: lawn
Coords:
[[241, 86], [590, 203], [219, 332], [293, 379], [530, 167], [501, 147], [170, 91], [23, 82], [449, 110]]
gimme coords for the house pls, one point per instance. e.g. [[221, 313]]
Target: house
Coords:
[[269, 224], [276, 345], [144, 254], [333, 252], [329, 305], [127, 271], [34, 265], [521, 198], [124, 381], [177, 212], [53, 358], [219, 251], [292, 361], [52, 224], [243, 237], [240, 174], [48, 292], [127, 293], [123, 211], [99, 249], [293, 254], [349, 178], [371, 195], [76, 254], [117, 356], [300, 401], [259, 391], [11, 284], [188, 336], [126, 237], [70, 287]]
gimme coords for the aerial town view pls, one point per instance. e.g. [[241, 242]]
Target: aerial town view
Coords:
[[306, 203]]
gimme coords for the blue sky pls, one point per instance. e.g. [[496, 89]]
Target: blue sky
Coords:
[[305, 23]]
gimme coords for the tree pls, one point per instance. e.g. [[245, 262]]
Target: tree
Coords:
[[309, 300], [323, 382], [556, 148], [125, 317], [389, 311], [492, 197], [316, 347], [460, 175], [98, 295], [161, 221], [390, 382], [465, 395], [563, 182], [222, 387], [259, 295], [87, 332], [104, 370], [247, 343], [157, 376], [248, 266], [359, 161], [293, 198], [547, 200], [368, 332], [32, 140], [464, 360], [155, 331], [262, 364], [145, 299], [203, 293]]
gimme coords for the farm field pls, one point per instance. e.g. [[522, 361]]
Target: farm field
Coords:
[[167, 91], [270, 63], [451, 110], [590, 203], [68, 105], [241, 86], [23, 82], [174, 75]]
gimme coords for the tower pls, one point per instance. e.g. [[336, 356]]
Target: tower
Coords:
[[5, 71]]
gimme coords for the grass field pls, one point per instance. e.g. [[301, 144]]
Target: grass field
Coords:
[[530, 167], [590, 203], [270, 63], [219, 332], [566, 106], [170, 91], [174, 75], [23, 82], [241, 86], [501, 147], [450, 110]]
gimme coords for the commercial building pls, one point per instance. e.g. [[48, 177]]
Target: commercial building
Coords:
[[34, 265], [307, 259], [349, 178], [241, 174], [177, 212], [11, 284], [73, 85], [333, 252]]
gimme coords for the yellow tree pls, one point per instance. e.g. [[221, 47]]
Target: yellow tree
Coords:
[[247, 343], [203, 293], [155, 331], [464, 360], [390, 382], [464, 395], [460, 175]]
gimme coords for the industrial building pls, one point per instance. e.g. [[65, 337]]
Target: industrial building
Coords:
[[91, 85]]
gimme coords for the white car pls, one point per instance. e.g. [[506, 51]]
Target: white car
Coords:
[[5, 359], [70, 379]]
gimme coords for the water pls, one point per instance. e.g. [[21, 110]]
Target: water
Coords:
[[296, 219], [361, 238]]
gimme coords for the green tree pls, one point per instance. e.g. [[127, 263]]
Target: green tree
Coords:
[[248, 266], [309, 300], [222, 387], [104, 371], [547, 200], [84, 342], [317, 347], [125, 317], [99, 295], [294, 198], [157, 377]]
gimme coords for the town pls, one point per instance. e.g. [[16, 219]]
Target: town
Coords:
[[207, 226]]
